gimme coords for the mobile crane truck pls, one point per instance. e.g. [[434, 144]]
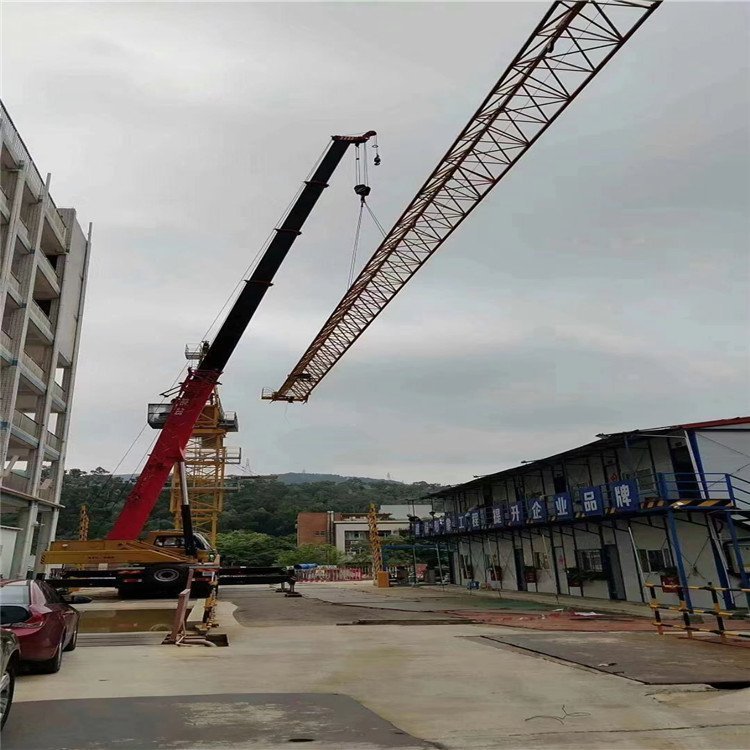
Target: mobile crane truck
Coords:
[[162, 560]]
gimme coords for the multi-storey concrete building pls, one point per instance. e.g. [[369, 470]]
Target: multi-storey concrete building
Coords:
[[346, 531], [43, 266]]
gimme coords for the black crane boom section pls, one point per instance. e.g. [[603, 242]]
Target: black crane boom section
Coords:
[[238, 318]]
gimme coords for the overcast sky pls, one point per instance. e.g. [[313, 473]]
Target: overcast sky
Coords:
[[603, 285]]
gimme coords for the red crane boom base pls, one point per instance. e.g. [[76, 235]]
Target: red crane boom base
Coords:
[[169, 449]]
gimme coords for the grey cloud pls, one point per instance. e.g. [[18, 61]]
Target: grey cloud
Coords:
[[602, 285]]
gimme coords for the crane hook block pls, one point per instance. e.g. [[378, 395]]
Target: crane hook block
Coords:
[[362, 190]]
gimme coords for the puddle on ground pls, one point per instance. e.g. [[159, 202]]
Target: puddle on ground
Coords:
[[127, 620]]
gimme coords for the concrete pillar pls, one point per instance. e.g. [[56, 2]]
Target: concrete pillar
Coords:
[[47, 527], [27, 519]]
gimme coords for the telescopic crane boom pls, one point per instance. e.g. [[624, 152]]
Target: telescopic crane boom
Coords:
[[570, 45], [200, 381]]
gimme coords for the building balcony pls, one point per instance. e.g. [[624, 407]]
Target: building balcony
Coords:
[[27, 426], [56, 222], [4, 204], [49, 273], [683, 492], [34, 370], [52, 441], [6, 346], [14, 285], [22, 232], [17, 482], [59, 395], [41, 321]]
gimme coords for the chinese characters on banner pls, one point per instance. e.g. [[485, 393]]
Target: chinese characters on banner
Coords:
[[592, 501], [537, 511], [620, 496], [515, 514], [624, 495], [563, 505]]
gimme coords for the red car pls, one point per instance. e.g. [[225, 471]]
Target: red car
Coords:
[[44, 623]]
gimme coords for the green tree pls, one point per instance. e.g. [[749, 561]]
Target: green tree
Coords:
[[250, 548], [322, 554], [360, 554]]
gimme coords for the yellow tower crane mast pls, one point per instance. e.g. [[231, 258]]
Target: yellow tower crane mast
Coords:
[[206, 458]]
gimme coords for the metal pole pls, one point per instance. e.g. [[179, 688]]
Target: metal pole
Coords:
[[414, 554], [738, 555], [187, 519], [639, 569], [672, 525], [440, 564], [721, 567]]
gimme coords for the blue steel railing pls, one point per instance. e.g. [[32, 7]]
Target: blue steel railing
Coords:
[[625, 496]]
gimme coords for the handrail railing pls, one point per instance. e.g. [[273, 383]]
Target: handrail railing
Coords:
[[687, 611], [45, 264], [40, 318], [678, 490], [15, 481], [58, 392], [32, 365], [53, 441], [6, 340], [27, 424]]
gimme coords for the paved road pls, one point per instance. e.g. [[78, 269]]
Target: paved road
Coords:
[[262, 606], [436, 684], [258, 721]]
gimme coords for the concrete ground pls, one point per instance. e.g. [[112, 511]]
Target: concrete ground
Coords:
[[413, 685]]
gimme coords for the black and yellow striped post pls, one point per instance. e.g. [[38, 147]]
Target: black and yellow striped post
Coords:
[[654, 604]]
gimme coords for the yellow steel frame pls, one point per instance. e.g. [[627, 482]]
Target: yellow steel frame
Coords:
[[375, 548], [205, 461]]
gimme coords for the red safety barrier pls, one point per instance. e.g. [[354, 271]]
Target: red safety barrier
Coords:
[[329, 574]]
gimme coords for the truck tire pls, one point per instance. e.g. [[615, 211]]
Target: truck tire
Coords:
[[166, 578]]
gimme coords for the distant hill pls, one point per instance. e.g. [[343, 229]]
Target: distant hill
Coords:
[[268, 505], [294, 477]]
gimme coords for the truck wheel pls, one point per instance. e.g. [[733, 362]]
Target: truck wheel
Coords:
[[167, 577]]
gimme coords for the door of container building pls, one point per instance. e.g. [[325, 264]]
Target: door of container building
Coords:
[[562, 573], [687, 484], [520, 573], [615, 581]]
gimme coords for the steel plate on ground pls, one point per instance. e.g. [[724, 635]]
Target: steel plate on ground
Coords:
[[649, 658]]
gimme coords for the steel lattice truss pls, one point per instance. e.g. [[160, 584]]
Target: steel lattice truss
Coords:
[[567, 49]]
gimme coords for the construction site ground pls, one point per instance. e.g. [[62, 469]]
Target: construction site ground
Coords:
[[301, 671]]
